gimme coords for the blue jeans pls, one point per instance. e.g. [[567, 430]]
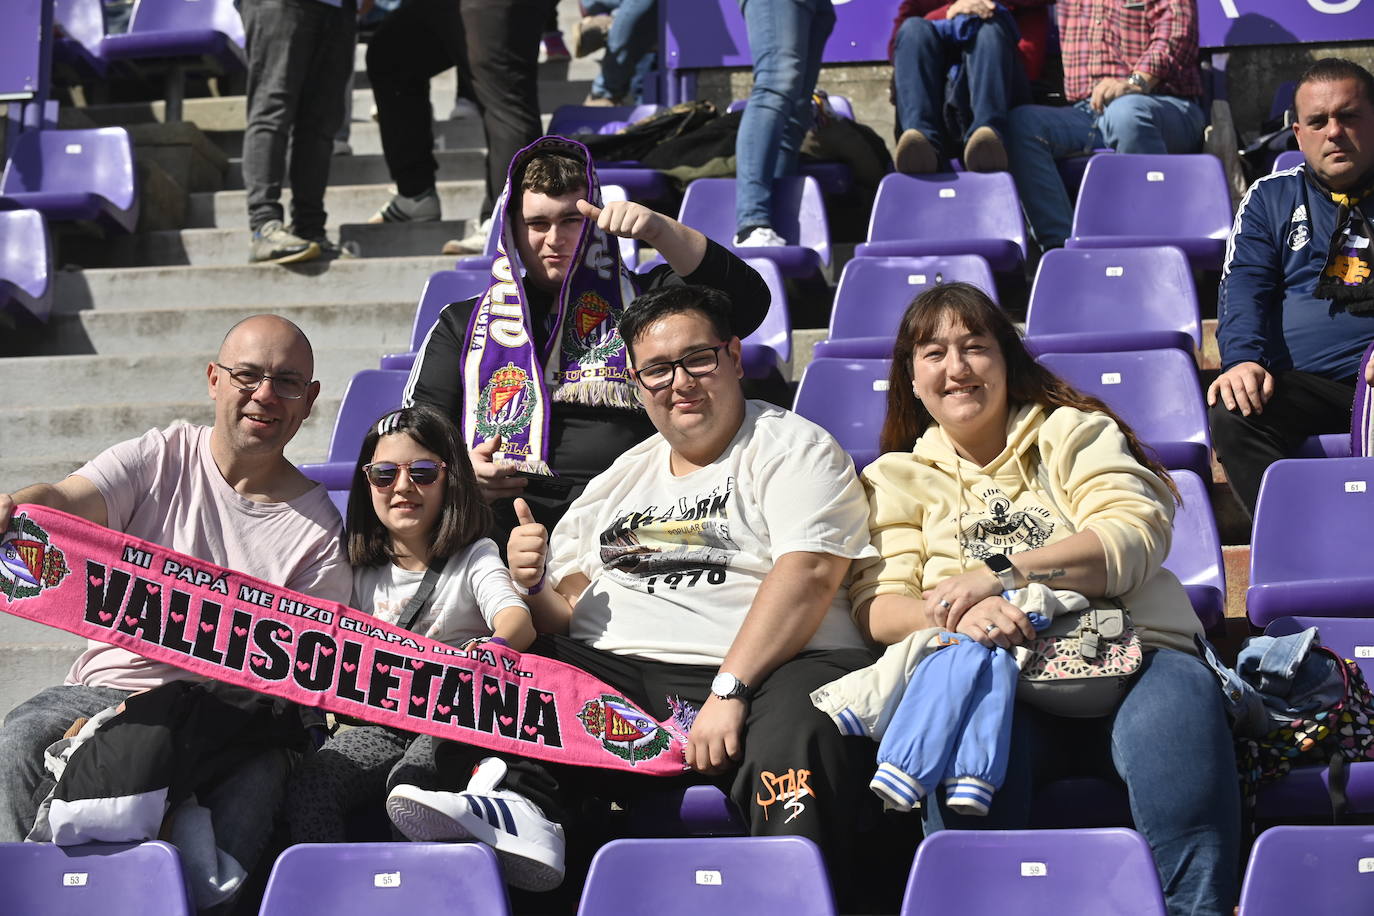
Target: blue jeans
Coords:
[[920, 65], [1169, 742], [787, 38], [633, 33], [1133, 123]]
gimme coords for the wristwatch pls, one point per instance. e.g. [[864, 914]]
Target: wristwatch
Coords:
[[1140, 82], [728, 687], [1001, 568]]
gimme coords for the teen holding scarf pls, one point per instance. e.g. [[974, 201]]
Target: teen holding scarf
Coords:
[[534, 370]]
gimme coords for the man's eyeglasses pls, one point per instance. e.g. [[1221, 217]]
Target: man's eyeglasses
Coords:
[[287, 387], [383, 474], [657, 376]]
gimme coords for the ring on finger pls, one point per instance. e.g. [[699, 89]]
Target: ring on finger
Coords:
[[945, 604], [991, 628]]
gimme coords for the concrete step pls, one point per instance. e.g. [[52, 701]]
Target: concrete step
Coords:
[[343, 204], [229, 247], [454, 165], [270, 286], [156, 331], [59, 381], [1236, 560]]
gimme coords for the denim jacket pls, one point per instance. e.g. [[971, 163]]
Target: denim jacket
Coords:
[[1277, 679]]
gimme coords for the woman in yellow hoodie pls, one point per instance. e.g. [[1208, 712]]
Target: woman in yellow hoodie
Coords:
[[999, 474]]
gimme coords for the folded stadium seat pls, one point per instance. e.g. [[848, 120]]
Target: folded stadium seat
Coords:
[[73, 175], [112, 879], [769, 348], [26, 263], [370, 394], [691, 811], [76, 51], [179, 37], [798, 216], [1097, 300], [442, 288], [1362, 412], [570, 120], [1136, 200], [762, 876], [1195, 554], [1288, 159], [367, 879], [1310, 548], [948, 213], [1033, 873], [1155, 391], [1310, 870], [873, 294], [849, 398]]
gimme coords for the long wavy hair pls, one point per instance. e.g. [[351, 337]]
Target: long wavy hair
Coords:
[[1028, 382]]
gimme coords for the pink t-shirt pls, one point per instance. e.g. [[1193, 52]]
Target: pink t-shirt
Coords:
[[165, 487]]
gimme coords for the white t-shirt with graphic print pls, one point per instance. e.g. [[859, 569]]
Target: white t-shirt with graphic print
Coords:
[[675, 562]]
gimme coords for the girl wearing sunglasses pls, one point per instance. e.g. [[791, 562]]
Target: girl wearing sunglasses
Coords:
[[415, 532]]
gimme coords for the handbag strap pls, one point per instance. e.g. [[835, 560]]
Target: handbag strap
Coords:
[[423, 597]]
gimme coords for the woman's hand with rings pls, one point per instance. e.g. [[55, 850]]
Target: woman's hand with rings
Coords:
[[947, 602], [996, 621]]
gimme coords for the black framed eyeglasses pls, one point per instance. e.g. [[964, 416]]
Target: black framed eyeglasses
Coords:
[[657, 376], [383, 474], [287, 387]]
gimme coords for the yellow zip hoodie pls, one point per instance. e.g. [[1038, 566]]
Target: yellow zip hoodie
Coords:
[[933, 514]]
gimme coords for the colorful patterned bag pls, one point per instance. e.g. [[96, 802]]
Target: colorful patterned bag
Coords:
[[1082, 663]]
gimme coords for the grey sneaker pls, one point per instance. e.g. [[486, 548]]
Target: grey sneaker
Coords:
[[272, 243], [402, 209]]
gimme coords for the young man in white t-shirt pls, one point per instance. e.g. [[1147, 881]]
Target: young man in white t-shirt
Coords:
[[699, 576], [224, 494]]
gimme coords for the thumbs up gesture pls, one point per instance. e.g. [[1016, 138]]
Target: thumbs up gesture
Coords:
[[527, 548]]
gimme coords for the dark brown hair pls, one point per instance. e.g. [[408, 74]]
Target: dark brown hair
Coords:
[[553, 174], [649, 307], [1028, 382], [463, 518], [1334, 69]]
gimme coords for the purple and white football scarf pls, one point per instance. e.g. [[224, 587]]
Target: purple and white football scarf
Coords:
[[75, 575], [507, 385]]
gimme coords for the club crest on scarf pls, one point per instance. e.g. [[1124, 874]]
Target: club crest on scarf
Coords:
[[591, 335], [506, 404], [623, 729], [28, 562]]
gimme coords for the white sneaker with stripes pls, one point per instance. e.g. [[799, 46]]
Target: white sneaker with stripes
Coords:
[[529, 845]]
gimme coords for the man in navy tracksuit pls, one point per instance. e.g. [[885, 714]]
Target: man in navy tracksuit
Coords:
[[1297, 300]]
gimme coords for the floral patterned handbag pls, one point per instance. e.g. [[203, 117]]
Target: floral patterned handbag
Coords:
[[1081, 665]]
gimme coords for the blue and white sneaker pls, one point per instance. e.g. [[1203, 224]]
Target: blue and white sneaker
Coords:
[[530, 846]]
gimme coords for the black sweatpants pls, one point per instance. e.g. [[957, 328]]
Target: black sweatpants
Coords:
[[798, 776], [1303, 405], [494, 44]]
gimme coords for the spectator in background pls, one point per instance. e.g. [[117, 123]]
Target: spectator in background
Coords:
[[1131, 72], [495, 43], [930, 42], [630, 39], [1296, 300], [300, 56], [787, 39]]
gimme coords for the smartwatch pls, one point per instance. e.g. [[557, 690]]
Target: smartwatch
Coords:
[[1140, 82], [1001, 568], [728, 687]]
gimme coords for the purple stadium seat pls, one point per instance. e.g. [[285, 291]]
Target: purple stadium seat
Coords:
[[1309, 551], [1034, 873], [849, 398], [948, 213], [1096, 300], [873, 294], [1297, 869], [692, 811], [204, 35], [770, 346], [442, 287], [629, 248], [570, 120], [26, 262], [73, 175], [1133, 201], [367, 879], [1155, 391], [112, 879], [1362, 412], [1071, 169], [370, 393], [1329, 445], [1288, 159], [764, 876], [76, 53], [798, 216], [1350, 637], [1195, 555], [640, 183]]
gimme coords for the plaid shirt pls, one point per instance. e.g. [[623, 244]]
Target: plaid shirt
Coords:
[[1101, 38]]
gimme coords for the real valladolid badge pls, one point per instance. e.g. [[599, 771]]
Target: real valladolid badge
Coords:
[[28, 562], [623, 730], [506, 404]]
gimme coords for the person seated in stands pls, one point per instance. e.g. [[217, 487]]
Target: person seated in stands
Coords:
[[998, 474], [1131, 72], [1297, 300], [698, 576], [224, 494], [554, 393], [980, 39]]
